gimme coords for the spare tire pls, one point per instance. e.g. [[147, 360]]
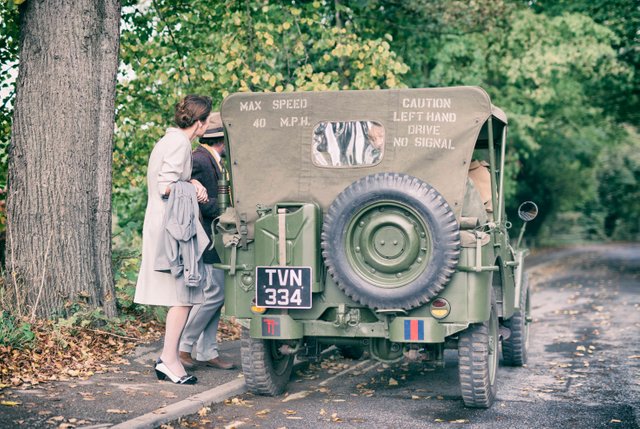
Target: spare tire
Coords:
[[390, 241]]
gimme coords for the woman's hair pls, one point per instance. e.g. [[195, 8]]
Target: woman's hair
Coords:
[[192, 108]]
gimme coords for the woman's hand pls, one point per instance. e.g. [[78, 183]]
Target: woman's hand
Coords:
[[201, 191]]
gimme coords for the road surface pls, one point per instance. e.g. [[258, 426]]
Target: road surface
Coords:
[[583, 370]]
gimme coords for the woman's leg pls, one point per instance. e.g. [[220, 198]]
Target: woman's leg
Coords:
[[176, 319]]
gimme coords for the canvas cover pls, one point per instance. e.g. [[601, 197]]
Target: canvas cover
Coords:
[[274, 139]]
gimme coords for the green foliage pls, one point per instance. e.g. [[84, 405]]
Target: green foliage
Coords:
[[619, 189], [78, 316], [9, 38], [622, 17], [15, 333], [556, 75], [125, 272], [173, 48], [126, 264]]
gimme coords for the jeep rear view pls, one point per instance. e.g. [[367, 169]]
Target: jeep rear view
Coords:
[[373, 221]]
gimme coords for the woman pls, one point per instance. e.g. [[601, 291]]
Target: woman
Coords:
[[170, 162]]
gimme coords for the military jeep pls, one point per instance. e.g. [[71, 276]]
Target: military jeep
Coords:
[[371, 221]]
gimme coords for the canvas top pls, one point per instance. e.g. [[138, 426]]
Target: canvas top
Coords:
[[309, 146]]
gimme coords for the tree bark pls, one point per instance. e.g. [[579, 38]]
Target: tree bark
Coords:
[[59, 194]]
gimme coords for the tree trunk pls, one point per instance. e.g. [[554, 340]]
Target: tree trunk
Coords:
[[59, 199]]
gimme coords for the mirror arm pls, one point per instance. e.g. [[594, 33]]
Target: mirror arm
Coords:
[[524, 226]]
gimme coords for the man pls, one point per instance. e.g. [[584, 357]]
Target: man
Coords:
[[202, 325]]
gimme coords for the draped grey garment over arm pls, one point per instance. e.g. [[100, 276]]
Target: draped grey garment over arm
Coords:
[[184, 240]]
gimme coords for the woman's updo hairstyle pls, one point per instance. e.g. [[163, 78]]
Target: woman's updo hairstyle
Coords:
[[192, 108]]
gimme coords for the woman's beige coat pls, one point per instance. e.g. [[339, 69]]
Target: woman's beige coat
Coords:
[[170, 161]]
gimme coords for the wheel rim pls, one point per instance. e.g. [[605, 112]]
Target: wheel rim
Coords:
[[494, 343], [388, 244], [279, 361]]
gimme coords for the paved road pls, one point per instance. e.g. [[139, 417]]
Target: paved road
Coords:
[[584, 368]]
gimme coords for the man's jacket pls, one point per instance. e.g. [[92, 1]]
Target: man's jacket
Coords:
[[206, 171]]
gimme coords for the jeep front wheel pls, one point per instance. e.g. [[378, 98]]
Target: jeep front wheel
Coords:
[[390, 241], [266, 370], [514, 348], [478, 351]]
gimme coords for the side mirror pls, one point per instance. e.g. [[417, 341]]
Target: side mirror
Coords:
[[528, 211]]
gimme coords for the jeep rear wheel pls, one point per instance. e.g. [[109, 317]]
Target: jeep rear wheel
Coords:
[[514, 349], [390, 241], [266, 370], [478, 351]]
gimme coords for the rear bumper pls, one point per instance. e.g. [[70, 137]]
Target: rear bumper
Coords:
[[400, 330]]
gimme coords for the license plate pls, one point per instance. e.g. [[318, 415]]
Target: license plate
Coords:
[[283, 287]]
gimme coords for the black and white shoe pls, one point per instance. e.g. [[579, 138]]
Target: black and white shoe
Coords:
[[163, 372]]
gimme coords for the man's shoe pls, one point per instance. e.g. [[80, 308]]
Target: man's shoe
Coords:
[[219, 363], [187, 361]]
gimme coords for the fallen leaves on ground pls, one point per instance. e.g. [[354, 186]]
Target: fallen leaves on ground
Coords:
[[298, 395], [117, 411], [60, 353], [239, 402]]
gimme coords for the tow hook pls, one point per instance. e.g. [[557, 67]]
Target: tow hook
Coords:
[[344, 317]]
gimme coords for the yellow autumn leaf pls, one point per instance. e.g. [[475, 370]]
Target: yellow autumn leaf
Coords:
[[10, 403], [286, 25]]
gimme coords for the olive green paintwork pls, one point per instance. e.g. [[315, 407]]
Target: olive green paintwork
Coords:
[[385, 240], [270, 139]]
